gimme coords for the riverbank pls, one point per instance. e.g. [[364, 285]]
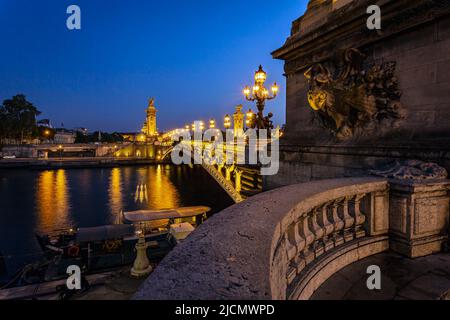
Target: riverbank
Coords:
[[113, 285], [56, 163]]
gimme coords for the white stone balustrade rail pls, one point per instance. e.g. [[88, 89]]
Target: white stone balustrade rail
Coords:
[[280, 244], [325, 222]]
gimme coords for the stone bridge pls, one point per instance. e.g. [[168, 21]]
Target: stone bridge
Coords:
[[285, 243], [239, 181]]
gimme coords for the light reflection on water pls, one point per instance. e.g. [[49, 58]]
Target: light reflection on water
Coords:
[[53, 200], [115, 191], [42, 201], [154, 190]]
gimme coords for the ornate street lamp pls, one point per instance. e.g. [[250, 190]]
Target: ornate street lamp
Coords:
[[260, 94], [250, 121], [227, 122]]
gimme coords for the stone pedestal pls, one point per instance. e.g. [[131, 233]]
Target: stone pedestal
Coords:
[[141, 267], [419, 217]]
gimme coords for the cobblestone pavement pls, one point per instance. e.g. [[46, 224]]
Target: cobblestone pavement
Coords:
[[426, 278]]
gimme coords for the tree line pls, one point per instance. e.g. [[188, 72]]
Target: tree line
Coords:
[[18, 120], [18, 124], [99, 136]]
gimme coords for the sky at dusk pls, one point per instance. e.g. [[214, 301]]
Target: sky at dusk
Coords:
[[193, 56]]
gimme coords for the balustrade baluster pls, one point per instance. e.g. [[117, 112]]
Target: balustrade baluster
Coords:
[[295, 244], [349, 221], [360, 218], [306, 234], [291, 251], [327, 227], [301, 245], [319, 232], [338, 224], [291, 246]]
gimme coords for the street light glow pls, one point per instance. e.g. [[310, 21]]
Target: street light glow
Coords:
[[227, 122], [260, 94], [260, 75]]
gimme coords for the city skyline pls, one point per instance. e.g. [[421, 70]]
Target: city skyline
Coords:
[[100, 77]]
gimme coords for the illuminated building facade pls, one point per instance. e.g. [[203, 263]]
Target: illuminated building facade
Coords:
[[149, 128]]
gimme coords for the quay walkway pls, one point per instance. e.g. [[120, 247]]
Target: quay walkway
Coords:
[[79, 162]]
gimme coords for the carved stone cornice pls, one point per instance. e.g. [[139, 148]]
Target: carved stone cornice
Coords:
[[347, 26]]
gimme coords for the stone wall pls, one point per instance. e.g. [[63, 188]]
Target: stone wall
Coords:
[[416, 36], [19, 151]]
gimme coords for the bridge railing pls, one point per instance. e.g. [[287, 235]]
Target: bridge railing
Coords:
[[283, 244], [227, 185], [269, 246], [239, 182], [333, 220]]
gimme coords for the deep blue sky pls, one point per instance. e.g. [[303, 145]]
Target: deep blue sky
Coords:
[[193, 56]]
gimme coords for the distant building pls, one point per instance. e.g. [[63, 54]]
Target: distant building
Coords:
[[149, 128], [45, 123], [63, 136], [129, 136], [83, 131]]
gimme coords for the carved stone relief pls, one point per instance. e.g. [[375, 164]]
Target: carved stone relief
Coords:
[[351, 97], [414, 170]]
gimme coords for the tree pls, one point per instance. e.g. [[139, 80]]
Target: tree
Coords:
[[18, 119], [81, 138]]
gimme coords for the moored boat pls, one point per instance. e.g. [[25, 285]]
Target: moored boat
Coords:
[[110, 246]]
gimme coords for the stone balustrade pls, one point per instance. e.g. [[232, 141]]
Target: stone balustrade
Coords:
[[328, 222], [283, 244]]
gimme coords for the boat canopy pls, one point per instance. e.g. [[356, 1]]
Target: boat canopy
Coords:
[[104, 233], [167, 214]]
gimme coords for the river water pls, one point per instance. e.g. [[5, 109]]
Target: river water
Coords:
[[34, 201]]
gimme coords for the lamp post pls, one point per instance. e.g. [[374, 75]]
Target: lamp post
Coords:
[[141, 266], [227, 122], [250, 121], [60, 148], [46, 134], [260, 94]]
